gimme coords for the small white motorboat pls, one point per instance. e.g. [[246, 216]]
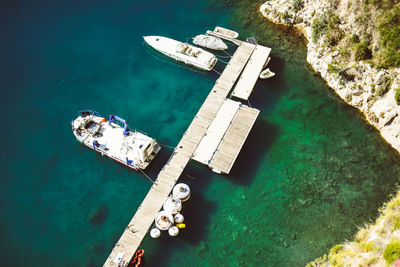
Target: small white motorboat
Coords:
[[226, 32], [211, 42], [265, 74]]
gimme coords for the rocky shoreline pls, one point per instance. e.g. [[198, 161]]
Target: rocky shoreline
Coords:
[[354, 81]]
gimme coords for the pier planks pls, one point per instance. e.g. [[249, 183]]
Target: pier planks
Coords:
[[234, 138], [168, 176], [251, 72]]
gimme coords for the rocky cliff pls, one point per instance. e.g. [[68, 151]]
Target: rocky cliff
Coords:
[[344, 46]]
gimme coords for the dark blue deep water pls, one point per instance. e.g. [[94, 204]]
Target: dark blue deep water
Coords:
[[309, 174]]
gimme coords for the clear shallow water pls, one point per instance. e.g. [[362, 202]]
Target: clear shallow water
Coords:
[[310, 172]]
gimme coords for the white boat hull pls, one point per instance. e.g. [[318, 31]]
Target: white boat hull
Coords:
[[182, 52], [132, 149]]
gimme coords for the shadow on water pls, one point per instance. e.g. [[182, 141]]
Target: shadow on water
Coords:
[[197, 212], [266, 93], [257, 145]]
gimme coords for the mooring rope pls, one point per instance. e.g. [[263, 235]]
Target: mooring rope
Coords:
[[146, 176], [227, 53], [216, 71], [167, 146], [223, 61], [223, 56]]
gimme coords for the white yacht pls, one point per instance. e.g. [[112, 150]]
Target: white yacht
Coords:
[[210, 42], [113, 139], [183, 52]]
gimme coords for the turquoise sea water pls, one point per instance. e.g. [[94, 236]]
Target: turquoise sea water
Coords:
[[309, 174]]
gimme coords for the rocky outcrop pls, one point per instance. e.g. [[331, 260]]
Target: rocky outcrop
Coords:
[[374, 245], [357, 82]]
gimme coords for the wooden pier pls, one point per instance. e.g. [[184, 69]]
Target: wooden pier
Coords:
[[251, 72], [143, 219]]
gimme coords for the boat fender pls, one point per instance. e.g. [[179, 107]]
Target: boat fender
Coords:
[[181, 225], [178, 218], [155, 233], [173, 231]]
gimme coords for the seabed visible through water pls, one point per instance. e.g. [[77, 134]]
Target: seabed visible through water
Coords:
[[309, 174]]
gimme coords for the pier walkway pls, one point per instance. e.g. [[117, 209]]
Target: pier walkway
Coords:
[[223, 158], [251, 72]]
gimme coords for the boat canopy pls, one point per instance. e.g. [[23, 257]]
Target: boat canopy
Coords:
[[115, 119]]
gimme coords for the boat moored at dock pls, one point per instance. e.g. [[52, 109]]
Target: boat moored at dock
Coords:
[[113, 139], [182, 52], [210, 42], [226, 32]]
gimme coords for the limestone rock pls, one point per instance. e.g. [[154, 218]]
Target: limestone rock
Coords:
[[358, 82]]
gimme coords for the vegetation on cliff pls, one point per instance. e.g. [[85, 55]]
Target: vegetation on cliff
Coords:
[[376, 245], [376, 27]]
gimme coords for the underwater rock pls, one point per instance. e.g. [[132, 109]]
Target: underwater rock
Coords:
[[203, 247], [346, 144], [98, 216], [285, 244]]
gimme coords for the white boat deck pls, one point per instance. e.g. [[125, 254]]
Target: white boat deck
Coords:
[[251, 72], [118, 145]]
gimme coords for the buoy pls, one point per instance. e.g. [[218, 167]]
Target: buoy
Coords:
[[155, 233], [181, 225], [164, 220], [172, 205], [181, 191], [173, 231], [178, 218]]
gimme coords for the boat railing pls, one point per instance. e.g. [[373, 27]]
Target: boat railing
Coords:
[[89, 112]]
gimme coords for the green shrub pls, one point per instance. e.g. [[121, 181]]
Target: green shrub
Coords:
[[392, 252], [397, 96], [334, 68], [355, 39], [318, 26], [389, 30], [335, 249], [327, 23], [383, 88], [362, 51], [333, 36], [298, 4], [366, 246], [396, 219], [285, 15]]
